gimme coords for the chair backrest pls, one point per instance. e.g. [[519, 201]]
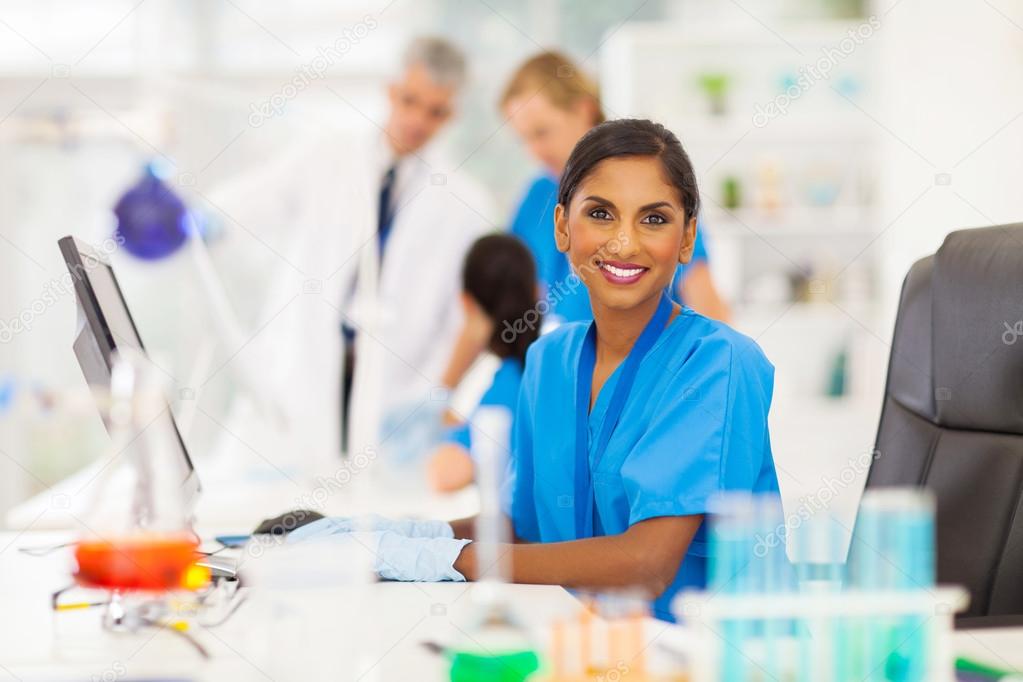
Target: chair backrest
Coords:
[[952, 419]]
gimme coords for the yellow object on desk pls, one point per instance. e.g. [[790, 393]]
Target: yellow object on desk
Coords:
[[73, 606]]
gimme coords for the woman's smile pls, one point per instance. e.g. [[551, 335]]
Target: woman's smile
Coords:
[[627, 222], [617, 272]]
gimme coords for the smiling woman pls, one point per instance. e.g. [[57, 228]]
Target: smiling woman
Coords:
[[666, 407]]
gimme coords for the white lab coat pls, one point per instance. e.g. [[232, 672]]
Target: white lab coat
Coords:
[[406, 311]]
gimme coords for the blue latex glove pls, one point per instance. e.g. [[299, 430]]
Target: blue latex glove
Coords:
[[335, 525], [417, 559], [399, 557]]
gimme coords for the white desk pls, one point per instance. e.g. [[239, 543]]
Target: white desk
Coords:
[[260, 643], [264, 641], [36, 643], [397, 617]]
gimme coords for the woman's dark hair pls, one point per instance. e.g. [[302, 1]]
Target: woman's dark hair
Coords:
[[500, 275], [631, 137]]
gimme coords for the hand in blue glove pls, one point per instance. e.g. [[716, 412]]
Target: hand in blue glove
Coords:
[[417, 559], [372, 523], [400, 557]]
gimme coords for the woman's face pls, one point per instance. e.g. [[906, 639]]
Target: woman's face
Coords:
[[625, 231], [548, 132]]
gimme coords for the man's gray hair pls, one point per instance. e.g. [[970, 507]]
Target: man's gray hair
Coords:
[[443, 61]]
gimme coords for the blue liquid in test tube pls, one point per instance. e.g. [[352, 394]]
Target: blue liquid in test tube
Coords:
[[748, 540], [893, 549]]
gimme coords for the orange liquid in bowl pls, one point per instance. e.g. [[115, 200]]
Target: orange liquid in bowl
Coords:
[[157, 563]]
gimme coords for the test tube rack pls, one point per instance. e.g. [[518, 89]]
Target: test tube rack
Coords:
[[818, 636]]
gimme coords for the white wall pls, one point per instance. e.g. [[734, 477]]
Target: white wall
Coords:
[[953, 104]]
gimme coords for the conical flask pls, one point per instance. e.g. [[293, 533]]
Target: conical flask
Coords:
[[136, 531]]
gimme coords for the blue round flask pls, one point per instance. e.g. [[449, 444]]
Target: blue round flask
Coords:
[[151, 218]]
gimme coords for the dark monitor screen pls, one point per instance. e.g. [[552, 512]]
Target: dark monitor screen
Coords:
[[104, 325]]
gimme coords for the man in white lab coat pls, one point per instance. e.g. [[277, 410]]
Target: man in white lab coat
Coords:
[[377, 226], [405, 317]]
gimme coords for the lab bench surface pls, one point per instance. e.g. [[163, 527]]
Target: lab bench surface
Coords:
[[368, 632], [372, 632]]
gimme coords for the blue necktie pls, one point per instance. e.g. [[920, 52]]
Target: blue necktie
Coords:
[[385, 216]]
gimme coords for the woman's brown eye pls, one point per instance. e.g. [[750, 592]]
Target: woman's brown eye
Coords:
[[655, 219], [599, 214]]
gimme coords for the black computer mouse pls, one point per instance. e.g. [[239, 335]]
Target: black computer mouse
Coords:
[[287, 522]]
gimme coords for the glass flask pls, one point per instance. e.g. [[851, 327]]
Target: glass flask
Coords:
[[152, 220], [136, 530]]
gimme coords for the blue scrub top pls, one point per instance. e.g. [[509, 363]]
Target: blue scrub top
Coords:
[[503, 392], [694, 424], [534, 224]]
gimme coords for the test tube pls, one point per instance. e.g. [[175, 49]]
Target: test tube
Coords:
[[893, 543], [490, 433], [729, 567], [558, 649], [817, 550], [893, 549], [748, 539], [816, 547], [622, 613], [586, 638]]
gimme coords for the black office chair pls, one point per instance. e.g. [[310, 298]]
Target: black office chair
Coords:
[[952, 419]]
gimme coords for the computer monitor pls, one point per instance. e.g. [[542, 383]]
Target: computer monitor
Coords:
[[105, 325]]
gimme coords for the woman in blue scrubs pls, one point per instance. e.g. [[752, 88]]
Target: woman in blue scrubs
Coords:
[[498, 291], [627, 426]]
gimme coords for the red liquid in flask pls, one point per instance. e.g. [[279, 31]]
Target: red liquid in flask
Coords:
[[145, 562]]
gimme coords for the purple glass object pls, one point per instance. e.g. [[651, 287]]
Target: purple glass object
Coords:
[[151, 219]]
